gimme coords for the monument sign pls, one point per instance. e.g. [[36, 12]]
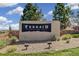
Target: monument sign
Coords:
[[39, 30]]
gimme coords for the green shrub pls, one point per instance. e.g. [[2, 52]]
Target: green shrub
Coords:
[[2, 43], [12, 40], [75, 35], [67, 41], [66, 36], [11, 49], [1, 32], [58, 39]]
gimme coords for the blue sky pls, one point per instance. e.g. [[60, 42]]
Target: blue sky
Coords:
[[10, 13], [15, 17]]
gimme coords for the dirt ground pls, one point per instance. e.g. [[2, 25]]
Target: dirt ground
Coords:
[[4, 36], [42, 47]]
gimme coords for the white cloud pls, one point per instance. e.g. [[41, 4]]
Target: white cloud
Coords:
[[73, 5], [4, 27], [9, 21], [45, 15], [7, 4], [18, 10], [49, 13], [4, 22], [15, 26], [2, 19]]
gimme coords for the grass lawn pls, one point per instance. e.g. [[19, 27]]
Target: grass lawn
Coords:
[[66, 52]]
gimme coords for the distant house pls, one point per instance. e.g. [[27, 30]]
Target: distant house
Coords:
[[70, 30], [76, 28]]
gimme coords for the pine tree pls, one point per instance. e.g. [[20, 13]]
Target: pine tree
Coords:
[[31, 13], [62, 14]]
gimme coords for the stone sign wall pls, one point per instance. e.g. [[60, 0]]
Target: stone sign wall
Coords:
[[39, 30]]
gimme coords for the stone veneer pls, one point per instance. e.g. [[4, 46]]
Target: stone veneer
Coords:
[[37, 35]]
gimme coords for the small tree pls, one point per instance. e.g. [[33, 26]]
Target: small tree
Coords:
[[31, 13], [10, 32], [62, 13]]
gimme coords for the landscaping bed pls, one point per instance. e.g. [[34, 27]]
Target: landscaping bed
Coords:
[[66, 52], [68, 36], [9, 41]]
